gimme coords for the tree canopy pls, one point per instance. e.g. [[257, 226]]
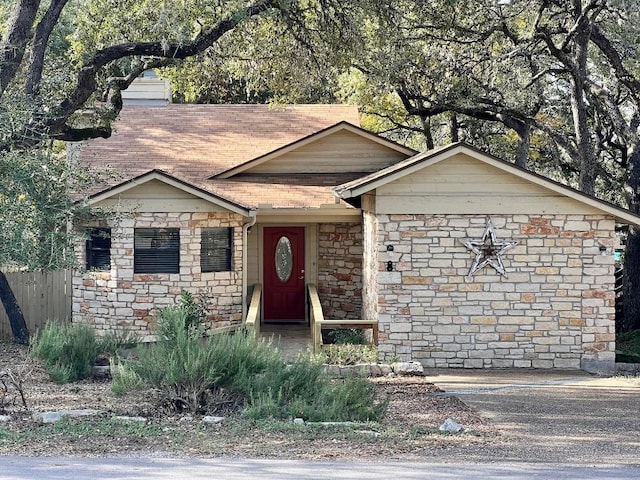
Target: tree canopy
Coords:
[[63, 64], [553, 85]]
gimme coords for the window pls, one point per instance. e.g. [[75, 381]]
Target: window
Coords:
[[98, 249], [156, 250], [215, 249]]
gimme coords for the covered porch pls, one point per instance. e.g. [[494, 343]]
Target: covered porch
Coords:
[[293, 338]]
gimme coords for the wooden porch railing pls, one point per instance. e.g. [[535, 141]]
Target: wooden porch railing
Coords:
[[318, 321], [316, 317], [252, 322]]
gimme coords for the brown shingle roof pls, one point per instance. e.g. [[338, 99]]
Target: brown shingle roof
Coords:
[[290, 191], [197, 141]]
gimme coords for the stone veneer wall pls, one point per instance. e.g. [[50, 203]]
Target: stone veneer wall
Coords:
[[340, 270], [121, 300], [555, 309]]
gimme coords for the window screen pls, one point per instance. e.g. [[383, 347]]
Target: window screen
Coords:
[[215, 249], [156, 250], [98, 249]]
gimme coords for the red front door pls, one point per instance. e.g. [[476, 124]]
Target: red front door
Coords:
[[284, 286]]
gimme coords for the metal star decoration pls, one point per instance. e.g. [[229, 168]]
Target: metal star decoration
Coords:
[[489, 251]]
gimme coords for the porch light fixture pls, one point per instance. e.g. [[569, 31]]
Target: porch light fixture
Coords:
[[488, 250], [603, 248]]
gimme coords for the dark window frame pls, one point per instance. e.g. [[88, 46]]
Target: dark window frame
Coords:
[[156, 250], [98, 249], [216, 249]]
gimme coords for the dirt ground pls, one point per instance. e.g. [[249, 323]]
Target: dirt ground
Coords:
[[409, 429], [566, 417]]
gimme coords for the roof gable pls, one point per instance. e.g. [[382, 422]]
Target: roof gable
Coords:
[[480, 181], [340, 148], [194, 142], [157, 181]]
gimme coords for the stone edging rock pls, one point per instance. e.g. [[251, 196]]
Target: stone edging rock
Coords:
[[375, 369]]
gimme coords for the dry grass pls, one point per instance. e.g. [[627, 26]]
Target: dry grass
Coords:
[[409, 429]]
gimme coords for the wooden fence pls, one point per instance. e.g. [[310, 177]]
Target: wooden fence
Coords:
[[42, 296]]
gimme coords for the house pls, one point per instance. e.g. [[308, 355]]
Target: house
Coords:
[[463, 259]]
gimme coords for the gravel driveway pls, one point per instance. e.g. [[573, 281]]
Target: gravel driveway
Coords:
[[565, 417]]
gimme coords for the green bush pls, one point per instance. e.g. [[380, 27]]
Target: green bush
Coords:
[[113, 342], [347, 354], [303, 390], [190, 368], [628, 347], [349, 400], [351, 336], [125, 379], [194, 312], [68, 350], [195, 373]]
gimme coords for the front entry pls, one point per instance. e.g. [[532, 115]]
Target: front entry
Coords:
[[283, 272]]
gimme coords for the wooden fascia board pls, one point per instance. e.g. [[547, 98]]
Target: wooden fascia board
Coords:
[[427, 161], [322, 214], [311, 139], [196, 192]]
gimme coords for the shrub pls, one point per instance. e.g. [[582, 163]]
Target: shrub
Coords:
[[347, 354], [194, 312], [303, 390], [12, 387], [192, 368], [351, 336], [628, 347], [200, 374], [113, 342], [68, 350], [125, 379], [349, 400]]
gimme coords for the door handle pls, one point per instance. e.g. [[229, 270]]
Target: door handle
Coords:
[[302, 273]]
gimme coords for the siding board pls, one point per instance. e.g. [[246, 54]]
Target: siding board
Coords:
[[462, 185], [156, 196], [337, 153]]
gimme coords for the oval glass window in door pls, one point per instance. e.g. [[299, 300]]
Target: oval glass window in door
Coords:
[[284, 259]]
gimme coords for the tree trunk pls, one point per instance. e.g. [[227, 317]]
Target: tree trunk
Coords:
[[631, 279], [631, 272], [453, 127], [16, 319], [524, 144], [426, 128], [584, 142]]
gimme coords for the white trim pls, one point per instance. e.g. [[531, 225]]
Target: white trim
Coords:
[[324, 214], [141, 180]]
